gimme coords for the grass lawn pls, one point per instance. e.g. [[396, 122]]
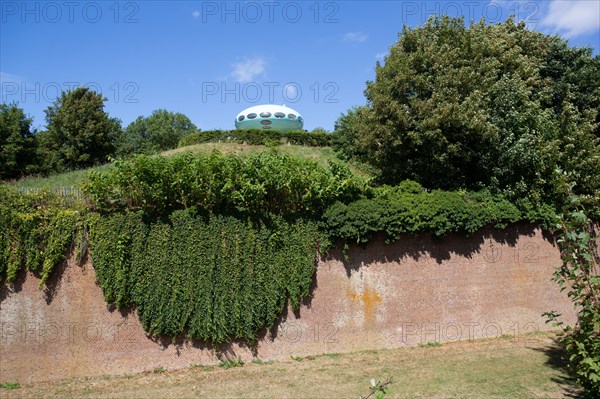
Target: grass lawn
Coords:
[[61, 180], [320, 154], [531, 366]]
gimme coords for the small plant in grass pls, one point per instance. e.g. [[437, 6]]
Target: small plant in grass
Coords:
[[260, 361], [10, 385], [430, 344], [332, 355], [201, 366], [159, 370], [378, 389], [227, 364], [296, 358]]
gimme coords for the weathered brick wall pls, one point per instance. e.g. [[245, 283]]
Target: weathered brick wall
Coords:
[[414, 291]]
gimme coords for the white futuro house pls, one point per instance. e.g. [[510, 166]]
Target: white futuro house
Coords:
[[269, 116]]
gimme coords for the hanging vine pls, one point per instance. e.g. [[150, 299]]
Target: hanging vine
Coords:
[[212, 277]]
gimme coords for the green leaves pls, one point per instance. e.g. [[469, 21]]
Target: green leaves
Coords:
[[213, 278], [79, 132], [481, 106], [260, 137], [17, 142], [580, 276], [163, 130], [260, 185], [407, 208], [36, 233]]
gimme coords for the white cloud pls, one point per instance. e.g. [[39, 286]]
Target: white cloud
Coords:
[[573, 18], [355, 37], [248, 69], [195, 13], [380, 56], [12, 78]]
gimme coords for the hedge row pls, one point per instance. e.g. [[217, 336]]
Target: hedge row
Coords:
[[260, 137], [259, 184], [408, 208]]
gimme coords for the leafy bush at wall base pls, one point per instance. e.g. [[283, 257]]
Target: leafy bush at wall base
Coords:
[[260, 137], [211, 277], [36, 233], [579, 276]]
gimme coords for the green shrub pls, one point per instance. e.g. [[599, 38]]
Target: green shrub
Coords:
[[580, 276], [259, 184], [260, 137], [407, 208]]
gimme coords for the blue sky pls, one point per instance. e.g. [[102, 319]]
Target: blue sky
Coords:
[[211, 59]]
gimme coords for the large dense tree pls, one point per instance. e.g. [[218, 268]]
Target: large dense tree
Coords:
[[80, 133], [480, 106], [163, 130], [17, 142]]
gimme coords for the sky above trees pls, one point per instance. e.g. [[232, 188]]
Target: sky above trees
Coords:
[[209, 60]]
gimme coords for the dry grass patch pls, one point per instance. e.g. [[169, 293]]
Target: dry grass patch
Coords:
[[525, 367]]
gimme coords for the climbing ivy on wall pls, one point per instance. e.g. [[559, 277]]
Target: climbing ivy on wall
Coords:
[[36, 232], [212, 277]]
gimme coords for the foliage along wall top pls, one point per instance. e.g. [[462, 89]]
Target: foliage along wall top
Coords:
[[190, 241]]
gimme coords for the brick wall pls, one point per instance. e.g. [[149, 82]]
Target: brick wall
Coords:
[[416, 290]]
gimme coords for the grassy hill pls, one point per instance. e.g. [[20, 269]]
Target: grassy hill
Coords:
[[72, 179]]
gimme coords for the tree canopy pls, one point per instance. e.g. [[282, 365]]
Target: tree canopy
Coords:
[[163, 130], [79, 132], [480, 106], [17, 142]]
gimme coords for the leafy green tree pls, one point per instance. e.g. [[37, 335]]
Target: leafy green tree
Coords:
[[576, 76], [348, 128], [480, 106], [17, 142], [158, 132], [79, 132]]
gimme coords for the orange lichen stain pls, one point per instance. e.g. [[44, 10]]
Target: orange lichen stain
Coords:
[[352, 295], [369, 299]]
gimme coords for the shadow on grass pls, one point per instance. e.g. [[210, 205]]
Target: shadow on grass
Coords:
[[557, 358]]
